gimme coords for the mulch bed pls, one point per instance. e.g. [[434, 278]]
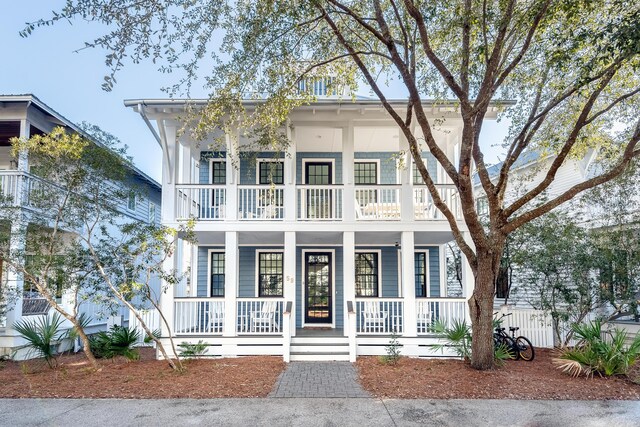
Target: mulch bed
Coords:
[[146, 378], [454, 379]]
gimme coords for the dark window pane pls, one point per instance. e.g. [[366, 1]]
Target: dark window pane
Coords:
[[417, 177], [217, 274], [365, 173], [271, 172], [218, 172], [421, 274], [367, 274], [270, 274]]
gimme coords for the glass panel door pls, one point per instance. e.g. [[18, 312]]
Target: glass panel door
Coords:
[[318, 286]]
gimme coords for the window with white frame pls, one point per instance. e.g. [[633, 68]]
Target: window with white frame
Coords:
[[367, 274], [270, 274], [218, 172], [271, 172], [131, 201], [421, 275], [216, 281], [152, 213]]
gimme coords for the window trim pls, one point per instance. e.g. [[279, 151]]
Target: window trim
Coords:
[[135, 201], [306, 160], [257, 275], [370, 251], [217, 160], [209, 252], [378, 171], [267, 160], [151, 207], [427, 276], [333, 287]]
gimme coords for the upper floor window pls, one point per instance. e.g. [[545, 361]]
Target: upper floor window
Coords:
[[482, 206], [318, 86], [271, 172], [270, 274], [152, 213], [417, 176], [421, 274], [367, 275], [365, 173], [131, 201], [218, 172], [217, 274]]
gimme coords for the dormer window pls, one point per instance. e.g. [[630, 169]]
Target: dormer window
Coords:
[[318, 86]]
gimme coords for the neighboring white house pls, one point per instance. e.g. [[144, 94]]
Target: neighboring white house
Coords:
[[319, 253], [24, 116]]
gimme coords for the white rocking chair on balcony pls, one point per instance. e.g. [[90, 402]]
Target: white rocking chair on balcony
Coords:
[[374, 319], [264, 320]]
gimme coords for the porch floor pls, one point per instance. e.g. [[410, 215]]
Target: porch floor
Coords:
[[316, 332]]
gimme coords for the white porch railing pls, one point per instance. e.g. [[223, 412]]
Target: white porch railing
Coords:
[[261, 202], [445, 310], [259, 316], [205, 202], [376, 202], [319, 202], [425, 209], [380, 316], [10, 186], [194, 316]]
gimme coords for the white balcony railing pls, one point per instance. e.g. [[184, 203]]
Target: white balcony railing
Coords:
[[260, 202], [206, 202], [319, 202], [260, 316], [429, 311], [380, 316], [425, 209], [10, 187], [198, 316], [378, 202]]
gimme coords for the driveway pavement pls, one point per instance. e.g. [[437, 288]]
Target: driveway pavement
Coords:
[[316, 412]]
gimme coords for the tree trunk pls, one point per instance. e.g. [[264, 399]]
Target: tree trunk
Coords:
[[481, 308], [86, 347]]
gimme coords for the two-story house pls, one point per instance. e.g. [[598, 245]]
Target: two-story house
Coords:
[[24, 116], [321, 252]]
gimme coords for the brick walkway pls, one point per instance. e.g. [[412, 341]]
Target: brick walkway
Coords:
[[318, 379]]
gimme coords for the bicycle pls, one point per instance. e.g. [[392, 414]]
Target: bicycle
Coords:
[[520, 347]]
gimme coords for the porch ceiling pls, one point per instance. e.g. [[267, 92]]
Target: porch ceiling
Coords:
[[432, 237], [316, 238]]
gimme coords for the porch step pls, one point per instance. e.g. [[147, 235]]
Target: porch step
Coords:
[[325, 340], [319, 348], [308, 357]]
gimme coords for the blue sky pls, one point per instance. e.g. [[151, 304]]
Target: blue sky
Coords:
[[47, 65]]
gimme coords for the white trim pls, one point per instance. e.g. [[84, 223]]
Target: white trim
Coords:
[[306, 160], [209, 252], [333, 290], [151, 207], [135, 201], [257, 267], [399, 254], [442, 264], [217, 160], [270, 160], [369, 251], [378, 170]]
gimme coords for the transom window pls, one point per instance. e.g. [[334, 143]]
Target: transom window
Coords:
[[421, 274], [217, 274], [365, 173], [270, 274], [271, 172], [367, 274], [218, 172]]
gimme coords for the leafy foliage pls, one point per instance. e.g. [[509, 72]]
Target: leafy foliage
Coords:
[[393, 350], [605, 353], [118, 341], [42, 335], [190, 351], [457, 337]]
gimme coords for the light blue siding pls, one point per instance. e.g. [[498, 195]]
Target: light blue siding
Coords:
[[434, 269], [389, 268], [248, 160]]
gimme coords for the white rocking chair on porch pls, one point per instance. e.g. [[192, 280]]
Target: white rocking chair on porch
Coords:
[[216, 319], [264, 320], [374, 319]]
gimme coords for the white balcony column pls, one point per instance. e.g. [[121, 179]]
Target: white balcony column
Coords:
[[233, 166], [15, 279], [407, 211], [290, 205], [468, 279], [349, 282], [349, 195], [407, 246], [231, 268], [185, 173], [289, 291], [169, 171], [23, 155]]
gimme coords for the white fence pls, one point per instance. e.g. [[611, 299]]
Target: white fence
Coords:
[[533, 324], [445, 310]]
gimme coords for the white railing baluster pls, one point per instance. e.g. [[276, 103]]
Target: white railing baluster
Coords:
[[445, 310], [198, 316]]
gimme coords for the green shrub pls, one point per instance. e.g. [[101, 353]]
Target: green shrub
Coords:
[[189, 351], [603, 353], [118, 341], [457, 337], [42, 335], [393, 350]]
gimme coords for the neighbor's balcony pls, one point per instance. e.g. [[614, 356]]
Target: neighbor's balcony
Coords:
[[18, 188], [312, 202]]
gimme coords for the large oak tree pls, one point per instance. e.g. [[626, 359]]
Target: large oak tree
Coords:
[[571, 65]]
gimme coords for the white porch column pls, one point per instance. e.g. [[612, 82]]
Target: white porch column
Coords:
[[290, 205], [349, 195], [233, 166], [230, 282], [407, 211], [289, 289], [23, 156], [167, 298], [468, 280], [408, 283], [15, 280], [349, 283]]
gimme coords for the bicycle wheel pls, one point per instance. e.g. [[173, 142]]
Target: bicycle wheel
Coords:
[[525, 349], [508, 343]]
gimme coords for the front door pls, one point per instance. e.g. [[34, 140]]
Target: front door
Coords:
[[318, 200], [318, 288]]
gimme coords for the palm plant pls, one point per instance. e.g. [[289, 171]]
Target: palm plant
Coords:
[[458, 337], [118, 341], [603, 353], [42, 335]]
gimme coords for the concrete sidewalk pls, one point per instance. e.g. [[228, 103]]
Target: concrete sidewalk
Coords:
[[317, 412]]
